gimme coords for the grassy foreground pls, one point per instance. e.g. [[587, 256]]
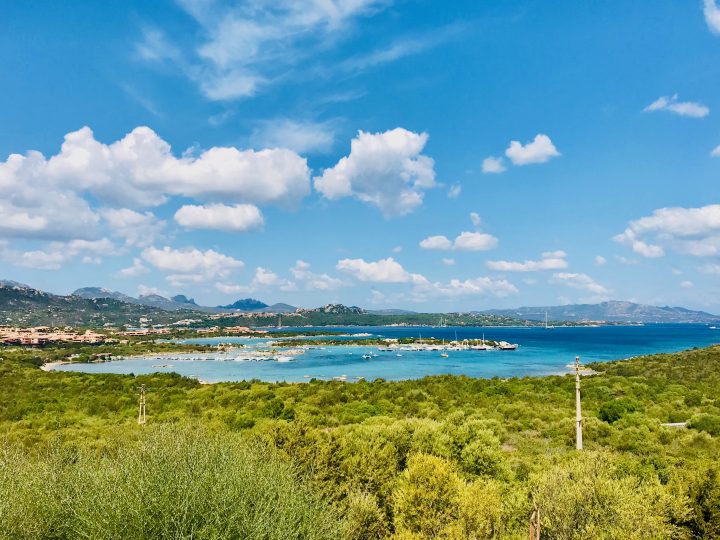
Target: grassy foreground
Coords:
[[442, 457]]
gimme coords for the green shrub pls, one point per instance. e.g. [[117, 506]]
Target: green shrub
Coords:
[[169, 483], [709, 423]]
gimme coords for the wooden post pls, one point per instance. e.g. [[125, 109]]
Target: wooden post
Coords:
[[535, 525], [578, 410], [141, 414]]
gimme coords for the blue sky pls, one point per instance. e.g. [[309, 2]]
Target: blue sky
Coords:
[[382, 153]]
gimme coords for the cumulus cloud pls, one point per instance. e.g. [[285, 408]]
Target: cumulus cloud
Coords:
[[712, 16], [493, 165], [715, 152], [239, 217], [190, 265], [475, 218], [710, 269], [382, 271], [48, 198], [580, 281], [539, 150], [600, 260], [465, 241], [691, 109], [138, 229], [301, 136], [468, 287], [264, 279], [36, 205], [386, 170], [691, 231], [436, 242], [454, 191], [687, 284], [474, 241], [56, 254], [137, 269], [448, 261], [141, 168], [314, 282], [551, 260]]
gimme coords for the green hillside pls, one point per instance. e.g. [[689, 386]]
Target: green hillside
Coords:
[[441, 457]]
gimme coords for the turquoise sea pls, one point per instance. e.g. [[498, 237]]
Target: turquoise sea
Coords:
[[541, 352]]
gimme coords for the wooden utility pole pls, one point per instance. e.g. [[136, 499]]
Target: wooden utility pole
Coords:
[[578, 411], [141, 414], [535, 525]]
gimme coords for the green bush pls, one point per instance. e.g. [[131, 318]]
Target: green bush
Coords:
[[710, 423], [169, 483]]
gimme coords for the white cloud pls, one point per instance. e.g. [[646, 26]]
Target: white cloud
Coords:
[[397, 249], [137, 269], [264, 279], [691, 231], [314, 282], [37, 259], [57, 254], [191, 265], [493, 165], [436, 242], [710, 268], [580, 281], [145, 290], [474, 241], [540, 150], [712, 16], [682, 108], [382, 271], [46, 198], [551, 260], [239, 217], [600, 260], [386, 170], [475, 218], [138, 229], [468, 287], [448, 261], [715, 152], [687, 284], [465, 241], [454, 191], [141, 168], [300, 136], [248, 45], [35, 205]]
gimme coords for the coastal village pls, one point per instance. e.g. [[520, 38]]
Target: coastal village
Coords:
[[43, 335]]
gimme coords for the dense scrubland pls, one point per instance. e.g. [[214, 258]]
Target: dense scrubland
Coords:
[[441, 457]]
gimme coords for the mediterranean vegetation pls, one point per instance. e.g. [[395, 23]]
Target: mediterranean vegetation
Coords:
[[442, 457]]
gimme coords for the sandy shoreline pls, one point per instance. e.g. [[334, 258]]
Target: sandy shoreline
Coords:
[[49, 366]]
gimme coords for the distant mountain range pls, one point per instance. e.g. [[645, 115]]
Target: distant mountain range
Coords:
[[613, 311], [96, 306], [24, 306], [181, 302]]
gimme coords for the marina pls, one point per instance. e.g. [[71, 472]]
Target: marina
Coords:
[[528, 351]]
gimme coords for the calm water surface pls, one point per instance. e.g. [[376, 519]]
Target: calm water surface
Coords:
[[541, 352]]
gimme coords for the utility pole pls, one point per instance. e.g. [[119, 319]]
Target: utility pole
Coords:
[[535, 525], [141, 414], [578, 411]]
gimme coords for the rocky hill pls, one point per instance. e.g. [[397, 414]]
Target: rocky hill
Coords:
[[24, 306]]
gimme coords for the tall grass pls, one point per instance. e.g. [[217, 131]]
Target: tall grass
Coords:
[[170, 482]]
